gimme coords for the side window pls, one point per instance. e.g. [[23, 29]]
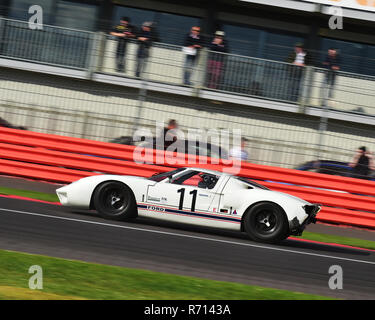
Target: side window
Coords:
[[198, 179], [193, 181]]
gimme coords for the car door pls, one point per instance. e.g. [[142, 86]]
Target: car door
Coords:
[[185, 193]]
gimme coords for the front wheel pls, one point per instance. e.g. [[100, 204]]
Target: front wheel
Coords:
[[266, 222], [115, 200]]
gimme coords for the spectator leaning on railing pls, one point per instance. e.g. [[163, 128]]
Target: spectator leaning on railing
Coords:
[[299, 58], [216, 59], [192, 44], [124, 31], [145, 38], [332, 63]]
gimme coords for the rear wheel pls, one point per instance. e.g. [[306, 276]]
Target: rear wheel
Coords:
[[266, 222], [115, 200]]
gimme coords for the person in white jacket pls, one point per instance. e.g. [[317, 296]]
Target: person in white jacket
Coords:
[[240, 153]]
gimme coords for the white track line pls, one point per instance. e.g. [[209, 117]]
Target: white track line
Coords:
[[187, 236]]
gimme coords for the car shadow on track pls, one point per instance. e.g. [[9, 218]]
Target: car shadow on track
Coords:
[[230, 235]]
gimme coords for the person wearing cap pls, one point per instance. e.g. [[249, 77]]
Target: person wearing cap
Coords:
[[362, 163], [145, 38], [299, 58], [192, 44], [216, 58], [123, 32]]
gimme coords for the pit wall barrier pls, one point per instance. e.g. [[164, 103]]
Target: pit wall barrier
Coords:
[[63, 159]]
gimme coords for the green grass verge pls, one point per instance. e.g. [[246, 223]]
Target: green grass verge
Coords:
[[14, 293], [328, 238], [67, 279], [29, 194]]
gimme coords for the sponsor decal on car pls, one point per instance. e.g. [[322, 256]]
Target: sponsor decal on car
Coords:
[[153, 199], [155, 208]]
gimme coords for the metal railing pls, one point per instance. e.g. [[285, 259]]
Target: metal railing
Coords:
[[249, 76], [288, 151], [51, 45]]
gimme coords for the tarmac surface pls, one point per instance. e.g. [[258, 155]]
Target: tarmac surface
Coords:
[[54, 230]]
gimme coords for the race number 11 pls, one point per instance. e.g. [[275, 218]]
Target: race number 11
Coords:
[[182, 195]]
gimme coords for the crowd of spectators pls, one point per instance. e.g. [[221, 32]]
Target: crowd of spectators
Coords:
[[193, 43], [300, 58], [217, 46]]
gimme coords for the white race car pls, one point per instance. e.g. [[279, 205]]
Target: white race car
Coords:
[[194, 196]]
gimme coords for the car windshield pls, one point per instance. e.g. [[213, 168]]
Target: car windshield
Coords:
[[161, 176], [252, 183]]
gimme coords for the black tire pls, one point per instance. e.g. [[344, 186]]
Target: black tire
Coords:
[[115, 200], [266, 222]]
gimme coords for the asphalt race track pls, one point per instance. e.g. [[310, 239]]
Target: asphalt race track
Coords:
[[293, 265]]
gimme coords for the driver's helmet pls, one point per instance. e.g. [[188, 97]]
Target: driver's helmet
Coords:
[[209, 181]]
